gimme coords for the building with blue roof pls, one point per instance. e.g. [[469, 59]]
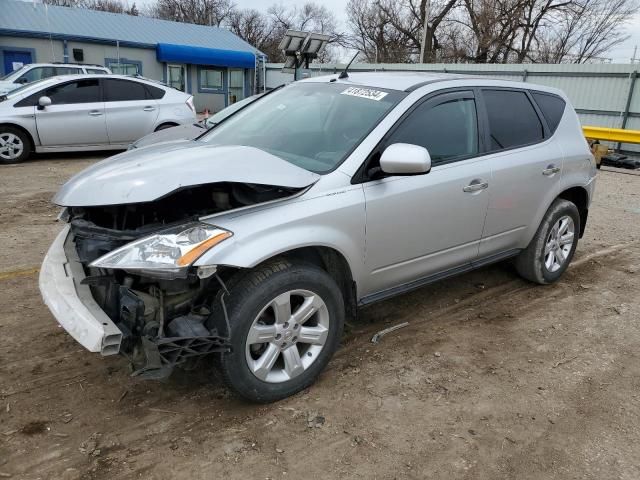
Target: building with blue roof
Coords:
[[213, 64]]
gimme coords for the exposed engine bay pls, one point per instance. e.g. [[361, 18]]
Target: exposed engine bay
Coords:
[[164, 321]]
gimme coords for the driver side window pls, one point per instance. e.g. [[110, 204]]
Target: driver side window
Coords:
[[447, 129], [38, 73]]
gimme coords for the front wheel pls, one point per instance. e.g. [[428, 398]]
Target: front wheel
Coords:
[[552, 248], [286, 322]]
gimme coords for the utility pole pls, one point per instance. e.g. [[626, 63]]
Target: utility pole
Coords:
[[425, 30], [634, 59]]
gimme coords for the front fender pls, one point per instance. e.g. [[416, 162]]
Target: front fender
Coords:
[[335, 220]]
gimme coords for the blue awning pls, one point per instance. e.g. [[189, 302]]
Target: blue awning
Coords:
[[166, 52]]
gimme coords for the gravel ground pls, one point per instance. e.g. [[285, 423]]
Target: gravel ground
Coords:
[[494, 378]]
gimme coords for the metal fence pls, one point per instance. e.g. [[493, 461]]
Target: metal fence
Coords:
[[606, 95]]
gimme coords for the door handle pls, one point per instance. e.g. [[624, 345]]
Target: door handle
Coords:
[[475, 186], [95, 113], [550, 170], [149, 109]]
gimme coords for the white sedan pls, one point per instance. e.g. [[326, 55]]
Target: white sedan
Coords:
[[89, 112]]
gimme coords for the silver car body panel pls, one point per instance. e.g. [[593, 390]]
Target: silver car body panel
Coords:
[[146, 174]]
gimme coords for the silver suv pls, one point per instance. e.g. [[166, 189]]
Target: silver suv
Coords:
[[254, 242], [39, 71]]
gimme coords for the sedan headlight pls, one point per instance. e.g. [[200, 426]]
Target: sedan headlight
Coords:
[[166, 253]]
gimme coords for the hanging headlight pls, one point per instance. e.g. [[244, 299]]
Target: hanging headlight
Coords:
[[169, 252]]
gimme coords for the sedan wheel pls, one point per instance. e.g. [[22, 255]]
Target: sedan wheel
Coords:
[[11, 147], [287, 336]]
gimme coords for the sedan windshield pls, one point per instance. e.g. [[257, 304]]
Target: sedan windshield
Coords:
[[312, 125], [12, 75]]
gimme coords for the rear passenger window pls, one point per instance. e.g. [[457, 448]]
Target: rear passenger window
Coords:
[[124, 90], [68, 71], [513, 122], [552, 108], [448, 130]]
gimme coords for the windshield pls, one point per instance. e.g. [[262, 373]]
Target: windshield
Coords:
[[311, 125], [21, 89], [225, 112], [12, 75]]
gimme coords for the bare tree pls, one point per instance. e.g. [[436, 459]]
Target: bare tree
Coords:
[[583, 31], [113, 6], [201, 12], [391, 30]]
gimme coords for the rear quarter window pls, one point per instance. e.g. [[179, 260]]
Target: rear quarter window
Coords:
[[155, 92], [513, 121], [117, 90], [552, 108]]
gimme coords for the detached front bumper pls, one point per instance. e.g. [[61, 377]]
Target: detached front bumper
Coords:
[[71, 303]]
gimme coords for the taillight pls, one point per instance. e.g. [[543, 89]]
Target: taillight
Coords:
[[190, 104]]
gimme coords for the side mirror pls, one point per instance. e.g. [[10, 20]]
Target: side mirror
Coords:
[[405, 159], [22, 80], [43, 102]]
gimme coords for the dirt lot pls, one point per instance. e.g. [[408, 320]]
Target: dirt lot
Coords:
[[493, 379]]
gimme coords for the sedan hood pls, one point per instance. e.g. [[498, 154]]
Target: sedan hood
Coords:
[[181, 132], [6, 87], [144, 175]]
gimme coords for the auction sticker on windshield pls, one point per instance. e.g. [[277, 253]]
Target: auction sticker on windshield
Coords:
[[369, 93]]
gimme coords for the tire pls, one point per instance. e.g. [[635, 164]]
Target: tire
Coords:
[[298, 362], [15, 145], [549, 253]]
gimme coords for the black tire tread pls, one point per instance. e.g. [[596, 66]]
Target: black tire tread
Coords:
[[528, 263], [248, 283]]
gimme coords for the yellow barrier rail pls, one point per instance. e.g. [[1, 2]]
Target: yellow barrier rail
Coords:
[[612, 134]]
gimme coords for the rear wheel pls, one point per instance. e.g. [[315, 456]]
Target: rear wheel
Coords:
[[15, 145], [553, 246], [286, 321]]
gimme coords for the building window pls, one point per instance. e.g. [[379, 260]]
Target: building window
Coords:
[[124, 66], [236, 85], [211, 79]]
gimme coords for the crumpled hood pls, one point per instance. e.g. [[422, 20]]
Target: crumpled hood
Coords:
[[144, 175]]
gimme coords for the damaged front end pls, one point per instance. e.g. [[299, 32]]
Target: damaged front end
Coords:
[[137, 262]]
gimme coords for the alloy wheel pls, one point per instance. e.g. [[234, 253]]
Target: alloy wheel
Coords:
[[287, 336], [11, 146], [559, 243]]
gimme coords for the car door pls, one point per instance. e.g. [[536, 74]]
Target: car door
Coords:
[[418, 226], [526, 165], [75, 116], [130, 110]]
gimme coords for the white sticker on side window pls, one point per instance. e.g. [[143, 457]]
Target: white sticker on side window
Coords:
[[369, 93]]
